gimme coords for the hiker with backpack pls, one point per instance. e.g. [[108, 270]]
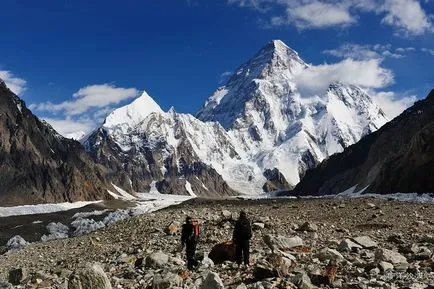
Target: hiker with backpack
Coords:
[[190, 238], [241, 238]]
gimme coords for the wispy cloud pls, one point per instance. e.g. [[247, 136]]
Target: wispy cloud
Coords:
[[427, 50], [224, 76], [92, 96], [368, 51], [407, 16], [14, 83], [85, 110]]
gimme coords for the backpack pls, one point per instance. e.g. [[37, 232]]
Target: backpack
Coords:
[[196, 232]]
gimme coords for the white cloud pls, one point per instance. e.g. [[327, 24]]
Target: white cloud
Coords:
[[14, 83], [320, 15], [427, 50], [391, 104], [407, 16], [365, 73], [404, 49], [72, 128], [85, 110], [92, 96]]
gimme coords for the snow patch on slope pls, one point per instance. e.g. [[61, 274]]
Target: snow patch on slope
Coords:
[[42, 208]]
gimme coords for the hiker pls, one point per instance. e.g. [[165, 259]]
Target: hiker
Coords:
[[241, 237], [190, 237]]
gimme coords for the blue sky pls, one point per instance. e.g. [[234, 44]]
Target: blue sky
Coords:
[[75, 61]]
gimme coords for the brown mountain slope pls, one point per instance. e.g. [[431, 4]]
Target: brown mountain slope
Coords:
[[399, 157], [37, 165]]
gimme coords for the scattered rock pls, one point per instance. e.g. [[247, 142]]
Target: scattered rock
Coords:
[[90, 277], [15, 243], [156, 260], [308, 227], [329, 254], [365, 242], [226, 215], [5, 285], [276, 242], [212, 281], [347, 245], [384, 266], [258, 226], [389, 256], [166, 281], [302, 281]]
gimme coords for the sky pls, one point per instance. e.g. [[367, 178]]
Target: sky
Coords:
[[73, 62]]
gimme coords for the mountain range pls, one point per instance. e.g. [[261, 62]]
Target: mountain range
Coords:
[[259, 132]]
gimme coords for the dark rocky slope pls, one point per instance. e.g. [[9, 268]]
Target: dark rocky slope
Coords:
[[399, 157], [37, 165]]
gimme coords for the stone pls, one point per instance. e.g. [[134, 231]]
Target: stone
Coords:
[[347, 245], [277, 242], [223, 252], [90, 277], [241, 286], [226, 215], [263, 270], [166, 281], [329, 254], [258, 226], [5, 285], [365, 242], [302, 281], [16, 243], [156, 260], [212, 281], [17, 276], [308, 227], [173, 228], [389, 256], [280, 264], [384, 266]]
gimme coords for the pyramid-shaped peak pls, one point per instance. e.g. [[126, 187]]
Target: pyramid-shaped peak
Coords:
[[134, 112]]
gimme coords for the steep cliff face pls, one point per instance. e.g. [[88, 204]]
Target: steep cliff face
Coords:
[[37, 165], [399, 157]]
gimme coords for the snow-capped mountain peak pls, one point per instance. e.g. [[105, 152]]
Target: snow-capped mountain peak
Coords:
[[133, 113]]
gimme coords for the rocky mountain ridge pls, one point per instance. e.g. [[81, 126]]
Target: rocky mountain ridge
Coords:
[[38, 165]]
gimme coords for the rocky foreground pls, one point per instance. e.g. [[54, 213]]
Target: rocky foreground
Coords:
[[329, 243]]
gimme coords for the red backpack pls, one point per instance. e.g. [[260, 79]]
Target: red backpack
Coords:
[[196, 232]]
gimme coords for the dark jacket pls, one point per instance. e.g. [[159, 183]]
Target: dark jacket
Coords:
[[187, 234], [242, 231]]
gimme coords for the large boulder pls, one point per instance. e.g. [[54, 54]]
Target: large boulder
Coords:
[[16, 242], [90, 277], [156, 260], [166, 281], [389, 256], [276, 242], [17, 276], [223, 252], [212, 281]]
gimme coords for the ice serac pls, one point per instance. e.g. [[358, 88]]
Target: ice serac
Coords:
[[37, 165], [274, 126], [397, 158], [144, 148]]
